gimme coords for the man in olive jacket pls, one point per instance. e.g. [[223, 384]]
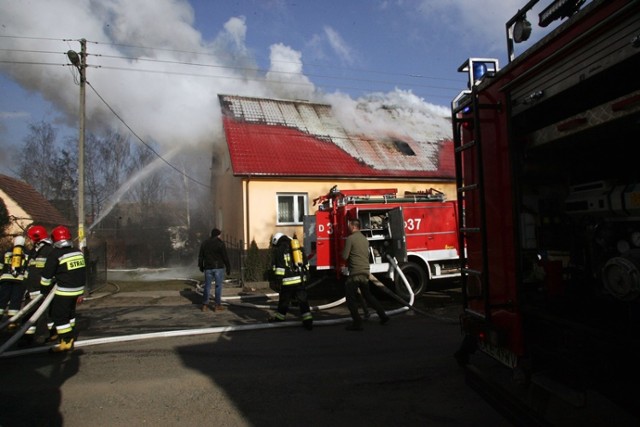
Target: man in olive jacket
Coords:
[[356, 253], [213, 261]]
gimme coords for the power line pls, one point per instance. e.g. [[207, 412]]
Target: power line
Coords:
[[260, 80], [412, 75], [326, 85], [256, 79], [32, 38], [195, 52], [31, 63], [32, 51], [142, 141], [261, 70]]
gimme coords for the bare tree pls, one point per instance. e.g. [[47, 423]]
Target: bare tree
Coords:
[[106, 163], [63, 175], [114, 152], [150, 191], [38, 157]]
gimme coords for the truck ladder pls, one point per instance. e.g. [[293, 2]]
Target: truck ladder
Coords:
[[468, 102]]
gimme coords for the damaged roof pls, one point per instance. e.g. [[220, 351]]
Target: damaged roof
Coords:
[[301, 139], [31, 201]]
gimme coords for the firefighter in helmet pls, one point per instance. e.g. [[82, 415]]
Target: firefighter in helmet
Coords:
[[289, 272], [13, 268], [65, 266], [37, 256]]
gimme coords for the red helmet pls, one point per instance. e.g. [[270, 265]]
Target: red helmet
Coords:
[[60, 233], [37, 233]]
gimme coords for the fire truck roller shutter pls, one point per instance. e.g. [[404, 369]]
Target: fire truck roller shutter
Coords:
[[416, 276]]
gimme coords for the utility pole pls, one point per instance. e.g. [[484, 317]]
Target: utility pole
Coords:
[[82, 241], [80, 62]]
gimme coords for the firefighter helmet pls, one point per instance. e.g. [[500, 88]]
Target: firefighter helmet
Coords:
[[60, 233], [275, 238], [37, 233]]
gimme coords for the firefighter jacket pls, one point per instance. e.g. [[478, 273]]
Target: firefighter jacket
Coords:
[[283, 268], [13, 269], [66, 265], [36, 261]]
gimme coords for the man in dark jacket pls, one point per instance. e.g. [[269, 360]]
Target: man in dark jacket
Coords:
[[213, 261]]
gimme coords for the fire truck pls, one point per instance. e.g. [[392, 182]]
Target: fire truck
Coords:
[[418, 231], [547, 171]]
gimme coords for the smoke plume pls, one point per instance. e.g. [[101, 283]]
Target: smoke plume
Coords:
[[141, 57]]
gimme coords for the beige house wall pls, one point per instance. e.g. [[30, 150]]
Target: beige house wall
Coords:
[[229, 207], [256, 198], [22, 219]]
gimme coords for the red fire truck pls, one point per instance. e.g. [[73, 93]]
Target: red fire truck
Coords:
[[549, 178], [418, 230]]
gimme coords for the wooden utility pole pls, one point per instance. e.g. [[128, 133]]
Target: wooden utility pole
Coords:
[[82, 67]]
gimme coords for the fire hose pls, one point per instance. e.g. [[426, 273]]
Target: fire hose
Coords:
[[190, 332], [271, 307], [407, 304], [22, 312], [32, 320]]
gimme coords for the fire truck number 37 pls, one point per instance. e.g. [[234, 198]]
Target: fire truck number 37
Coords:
[[410, 224]]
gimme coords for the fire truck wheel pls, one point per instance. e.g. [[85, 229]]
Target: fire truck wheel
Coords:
[[416, 277]]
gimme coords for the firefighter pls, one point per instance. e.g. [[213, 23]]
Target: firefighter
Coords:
[[37, 257], [65, 266], [289, 271], [12, 290]]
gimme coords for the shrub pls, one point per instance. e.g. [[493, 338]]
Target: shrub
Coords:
[[257, 263]]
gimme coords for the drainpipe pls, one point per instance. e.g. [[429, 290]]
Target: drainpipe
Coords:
[[247, 213]]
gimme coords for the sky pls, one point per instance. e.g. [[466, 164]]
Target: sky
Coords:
[[160, 64]]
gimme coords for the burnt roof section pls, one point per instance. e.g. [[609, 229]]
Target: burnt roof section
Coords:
[[272, 137], [33, 203]]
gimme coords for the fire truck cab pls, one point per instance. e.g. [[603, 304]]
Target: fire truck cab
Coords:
[[548, 173], [418, 231]]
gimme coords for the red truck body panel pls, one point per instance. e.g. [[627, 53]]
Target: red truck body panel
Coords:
[[551, 225], [428, 233]]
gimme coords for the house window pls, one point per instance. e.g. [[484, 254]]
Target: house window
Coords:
[[291, 208]]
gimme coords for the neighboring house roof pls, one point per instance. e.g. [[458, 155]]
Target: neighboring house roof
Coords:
[[300, 139], [32, 202]]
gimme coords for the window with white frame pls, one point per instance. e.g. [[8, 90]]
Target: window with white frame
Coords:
[[291, 208]]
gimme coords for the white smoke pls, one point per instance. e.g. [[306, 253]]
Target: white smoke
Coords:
[[153, 90], [160, 93], [400, 113], [285, 76]]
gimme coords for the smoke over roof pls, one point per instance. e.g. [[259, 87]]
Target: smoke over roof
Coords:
[[141, 61]]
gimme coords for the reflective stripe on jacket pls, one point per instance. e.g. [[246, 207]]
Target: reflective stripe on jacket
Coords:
[[282, 265], [66, 266]]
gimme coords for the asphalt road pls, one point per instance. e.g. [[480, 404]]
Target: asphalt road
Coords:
[[399, 374]]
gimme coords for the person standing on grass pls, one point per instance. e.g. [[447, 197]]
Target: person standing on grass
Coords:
[[213, 261]]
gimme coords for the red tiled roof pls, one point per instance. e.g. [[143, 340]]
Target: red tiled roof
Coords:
[[33, 203], [286, 138]]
